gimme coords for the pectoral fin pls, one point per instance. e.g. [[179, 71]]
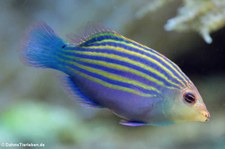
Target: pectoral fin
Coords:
[[132, 123], [77, 93]]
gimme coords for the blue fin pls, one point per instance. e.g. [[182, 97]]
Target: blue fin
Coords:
[[40, 46], [90, 30], [132, 123], [77, 93]]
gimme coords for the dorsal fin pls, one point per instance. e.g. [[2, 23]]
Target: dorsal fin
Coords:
[[90, 30]]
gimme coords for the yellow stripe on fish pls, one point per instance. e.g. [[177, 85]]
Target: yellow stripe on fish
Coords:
[[147, 50], [104, 83], [125, 59]]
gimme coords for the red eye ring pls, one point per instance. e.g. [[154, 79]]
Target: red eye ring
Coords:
[[189, 97]]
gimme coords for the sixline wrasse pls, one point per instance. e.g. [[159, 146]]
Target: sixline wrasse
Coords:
[[105, 69]]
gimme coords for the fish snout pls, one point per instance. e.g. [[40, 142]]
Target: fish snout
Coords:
[[206, 114]]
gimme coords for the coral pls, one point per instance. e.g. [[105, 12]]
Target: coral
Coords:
[[152, 6], [202, 16]]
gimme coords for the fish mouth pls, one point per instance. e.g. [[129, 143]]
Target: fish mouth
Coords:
[[206, 115]]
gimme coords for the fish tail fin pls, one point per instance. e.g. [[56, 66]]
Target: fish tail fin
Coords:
[[40, 46]]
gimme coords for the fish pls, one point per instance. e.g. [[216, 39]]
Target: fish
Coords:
[[104, 69]]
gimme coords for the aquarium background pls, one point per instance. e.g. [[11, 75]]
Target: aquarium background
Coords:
[[34, 108]]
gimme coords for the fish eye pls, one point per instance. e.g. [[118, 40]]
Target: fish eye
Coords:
[[189, 97]]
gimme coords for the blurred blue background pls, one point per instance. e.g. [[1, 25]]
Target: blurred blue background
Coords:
[[34, 108]]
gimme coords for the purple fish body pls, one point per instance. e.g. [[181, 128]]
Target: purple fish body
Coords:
[[126, 105], [106, 70]]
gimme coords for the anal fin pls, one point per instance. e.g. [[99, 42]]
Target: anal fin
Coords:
[[77, 92], [132, 123]]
